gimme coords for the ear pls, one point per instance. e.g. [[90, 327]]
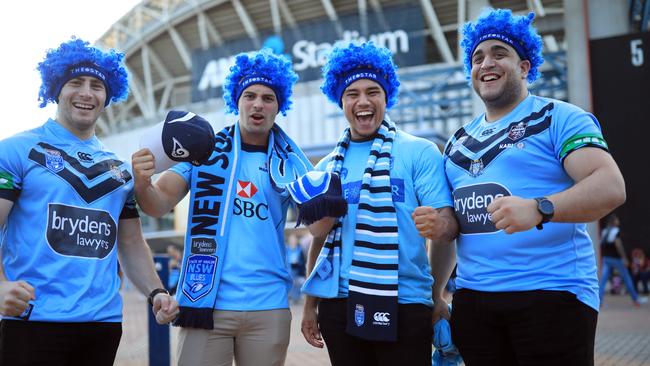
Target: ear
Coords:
[[524, 68]]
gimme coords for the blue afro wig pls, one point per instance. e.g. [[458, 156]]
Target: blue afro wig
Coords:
[[75, 58], [262, 67], [516, 31], [351, 62]]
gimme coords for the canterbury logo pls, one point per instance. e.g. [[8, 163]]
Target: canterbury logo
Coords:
[[246, 189], [178, 151], [381, 317]]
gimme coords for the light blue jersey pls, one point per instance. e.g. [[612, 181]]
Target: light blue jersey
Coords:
[[255, 275], [522, 155], [61, 234], [417, 179]]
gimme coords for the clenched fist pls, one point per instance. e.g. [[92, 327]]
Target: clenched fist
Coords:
[[14, 297], [144, 167], [432, 223]]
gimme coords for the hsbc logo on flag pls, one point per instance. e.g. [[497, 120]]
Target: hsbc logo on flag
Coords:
[[246, 189]]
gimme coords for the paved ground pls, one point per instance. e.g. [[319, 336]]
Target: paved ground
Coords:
[[623, 337]]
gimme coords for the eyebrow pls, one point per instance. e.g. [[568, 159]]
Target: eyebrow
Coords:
[[496, 47]]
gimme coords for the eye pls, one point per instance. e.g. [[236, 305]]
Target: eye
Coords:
[[477, 59], [269, 99]]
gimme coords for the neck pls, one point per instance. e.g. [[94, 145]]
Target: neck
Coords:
[[254, 138], [81, 133], [495, 110]]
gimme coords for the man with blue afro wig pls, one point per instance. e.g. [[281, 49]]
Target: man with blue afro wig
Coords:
[[68, 211], [370, 267], [261, 68], [515, 31], [524, 175], [78, 58], [240, 201]]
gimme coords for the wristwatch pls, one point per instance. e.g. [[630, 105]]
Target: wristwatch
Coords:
[[546, 208], [155, 292]]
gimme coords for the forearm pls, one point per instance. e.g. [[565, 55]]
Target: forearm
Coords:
[[160, 197], [137, 263], [442, 258], [135, 256], [314, 250], [152, 201]]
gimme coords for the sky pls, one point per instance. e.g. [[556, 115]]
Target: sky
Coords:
[[27, 29]]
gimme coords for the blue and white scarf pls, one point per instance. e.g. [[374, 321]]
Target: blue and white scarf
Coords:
[[372, 291], [211, 196]]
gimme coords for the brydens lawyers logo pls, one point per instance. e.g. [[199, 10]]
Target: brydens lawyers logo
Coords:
[[246, 189]]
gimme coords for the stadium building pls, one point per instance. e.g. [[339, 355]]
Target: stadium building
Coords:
[[178, 53]]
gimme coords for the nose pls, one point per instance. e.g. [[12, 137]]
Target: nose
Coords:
[[84, 89], [363, 99], [257, 103], [488, 62]]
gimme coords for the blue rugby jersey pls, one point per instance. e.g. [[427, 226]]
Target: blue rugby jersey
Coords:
[[61, 234], [255, 273], [417, 179], [522, 155]]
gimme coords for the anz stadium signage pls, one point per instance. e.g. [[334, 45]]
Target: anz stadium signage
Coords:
[[402, 31]]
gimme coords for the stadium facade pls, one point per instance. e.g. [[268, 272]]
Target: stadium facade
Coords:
[[178, 53]]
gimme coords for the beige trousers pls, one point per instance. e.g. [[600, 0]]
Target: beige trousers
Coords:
[[251, 338]]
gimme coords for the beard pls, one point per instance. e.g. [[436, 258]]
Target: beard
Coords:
[[506, 97]]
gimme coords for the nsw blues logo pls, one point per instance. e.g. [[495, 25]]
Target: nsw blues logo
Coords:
[[476, 168], [359, 315], [199, 276], [54, 160]]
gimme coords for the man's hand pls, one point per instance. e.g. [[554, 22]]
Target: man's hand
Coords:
[[165, 308], [440, 310], [430, 223], [309, 325], [14, 297], [143, 163], [514, 214]]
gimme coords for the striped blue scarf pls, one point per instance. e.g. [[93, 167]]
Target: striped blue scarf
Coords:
[[372, 291]]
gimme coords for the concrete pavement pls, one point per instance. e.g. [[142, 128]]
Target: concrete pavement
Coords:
[[622, 339]]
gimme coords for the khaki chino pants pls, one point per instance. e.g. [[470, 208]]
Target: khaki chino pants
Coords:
[[251, 338]]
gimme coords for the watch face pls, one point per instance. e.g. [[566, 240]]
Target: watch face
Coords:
[[546, 207]]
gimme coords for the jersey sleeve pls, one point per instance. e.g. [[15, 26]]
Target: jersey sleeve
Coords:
[[184, 170], [573, 129], [129, 211], [429, 178], [11, 169]]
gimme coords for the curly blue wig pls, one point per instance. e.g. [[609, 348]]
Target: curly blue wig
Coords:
[[517, 31], [349, 63], [78, 58], [262, 67]]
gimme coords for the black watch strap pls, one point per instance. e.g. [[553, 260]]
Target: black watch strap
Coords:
[[546, 216], [155, 292]]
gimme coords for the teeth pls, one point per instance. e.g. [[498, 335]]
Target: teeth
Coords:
[[365, 113], [84, 106], [489, 78]]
